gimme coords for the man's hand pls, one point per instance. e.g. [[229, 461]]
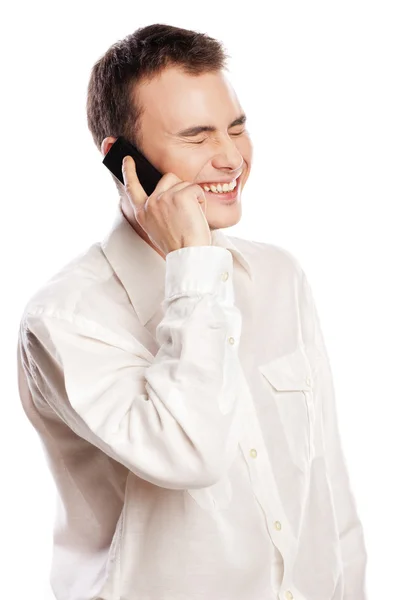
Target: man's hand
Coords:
[[173, 216]]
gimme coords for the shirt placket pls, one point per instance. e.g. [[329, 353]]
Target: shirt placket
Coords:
[[265, 489]]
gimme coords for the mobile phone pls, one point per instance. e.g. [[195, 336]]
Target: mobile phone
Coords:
[[148, 175]]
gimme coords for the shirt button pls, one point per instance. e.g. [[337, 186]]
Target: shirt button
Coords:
[[277, 525], [308, 382], [288, 595], [231, 340], [224, 276], [253, 453]]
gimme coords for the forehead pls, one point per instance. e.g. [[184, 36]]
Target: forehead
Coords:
[[174, 99]]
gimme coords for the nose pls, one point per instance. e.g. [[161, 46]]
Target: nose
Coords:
[[228, 156]]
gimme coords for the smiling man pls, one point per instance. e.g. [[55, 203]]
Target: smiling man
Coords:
[[177, 376]]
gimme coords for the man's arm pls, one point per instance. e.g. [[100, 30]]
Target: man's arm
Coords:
[[353, 550], [172, 419]]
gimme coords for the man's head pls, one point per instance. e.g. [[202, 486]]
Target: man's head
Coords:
[[155, 84]]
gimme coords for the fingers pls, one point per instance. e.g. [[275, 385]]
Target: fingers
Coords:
[[168, 181], [191, 190], [181, 185], [135, 191], [198, 192], [177, 191], [175, 188]]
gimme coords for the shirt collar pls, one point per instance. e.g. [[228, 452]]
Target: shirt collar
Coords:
[[142, 270]]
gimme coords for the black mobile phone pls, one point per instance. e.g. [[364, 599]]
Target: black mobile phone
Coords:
[[148, 175]]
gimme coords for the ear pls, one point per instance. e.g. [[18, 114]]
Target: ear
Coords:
[[107, 144]]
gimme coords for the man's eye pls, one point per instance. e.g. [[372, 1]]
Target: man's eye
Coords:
[[234, 134]]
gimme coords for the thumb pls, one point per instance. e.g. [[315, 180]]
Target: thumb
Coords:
[[135, 191]]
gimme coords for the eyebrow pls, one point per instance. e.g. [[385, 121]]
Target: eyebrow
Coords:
[[193, 131]]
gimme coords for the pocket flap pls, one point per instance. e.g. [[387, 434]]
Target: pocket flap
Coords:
[[289, 372]]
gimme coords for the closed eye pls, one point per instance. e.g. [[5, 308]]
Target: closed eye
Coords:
[[234, 134]]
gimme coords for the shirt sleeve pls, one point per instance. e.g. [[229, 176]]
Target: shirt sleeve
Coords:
[[173, 418], [351, 535]]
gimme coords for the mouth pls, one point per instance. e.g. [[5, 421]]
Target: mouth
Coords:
[[220, 195]]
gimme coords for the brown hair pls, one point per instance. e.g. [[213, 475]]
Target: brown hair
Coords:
[[112, 108]]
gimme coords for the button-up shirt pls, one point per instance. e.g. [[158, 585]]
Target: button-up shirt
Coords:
[[187, 412]]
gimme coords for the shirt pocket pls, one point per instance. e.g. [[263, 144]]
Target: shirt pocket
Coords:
[[290, 384], [214, 497]]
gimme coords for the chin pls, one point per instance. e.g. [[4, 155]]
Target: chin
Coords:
[[220, 217]]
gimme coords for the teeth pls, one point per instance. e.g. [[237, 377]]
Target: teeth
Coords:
[[219, 188]]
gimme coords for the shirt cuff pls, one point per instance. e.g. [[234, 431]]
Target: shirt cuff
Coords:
[[200, 270]]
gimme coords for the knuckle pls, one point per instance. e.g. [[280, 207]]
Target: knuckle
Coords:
[[199, 189], [171, 178], [189, 189], [150, 204], [178, 195], [160, 196]]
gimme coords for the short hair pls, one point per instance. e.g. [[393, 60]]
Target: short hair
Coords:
[[112, 106]]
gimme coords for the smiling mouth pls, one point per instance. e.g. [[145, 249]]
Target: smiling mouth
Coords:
[[221, 189], [224, 197]]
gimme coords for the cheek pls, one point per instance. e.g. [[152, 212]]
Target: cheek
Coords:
[[246, 148], [183, 163]]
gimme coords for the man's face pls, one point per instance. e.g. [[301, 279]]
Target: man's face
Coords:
[[175, 101]]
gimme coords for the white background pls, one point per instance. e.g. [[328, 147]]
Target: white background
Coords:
[[320, 82]]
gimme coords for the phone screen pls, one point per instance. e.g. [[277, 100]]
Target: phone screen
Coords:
[[148, 175]]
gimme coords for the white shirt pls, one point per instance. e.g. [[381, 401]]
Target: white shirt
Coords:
[[187, 412]]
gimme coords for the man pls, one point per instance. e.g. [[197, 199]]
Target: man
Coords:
[[177, 376]]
